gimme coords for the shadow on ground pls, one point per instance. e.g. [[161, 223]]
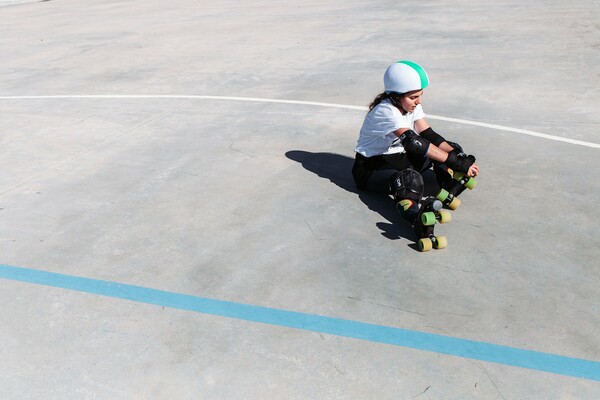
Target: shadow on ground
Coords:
[[337, 169]]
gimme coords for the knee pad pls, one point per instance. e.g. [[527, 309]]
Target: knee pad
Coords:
[[407, 184], [456, 147], [415, 144]]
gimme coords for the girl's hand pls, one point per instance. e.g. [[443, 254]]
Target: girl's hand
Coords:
[[473, 170]]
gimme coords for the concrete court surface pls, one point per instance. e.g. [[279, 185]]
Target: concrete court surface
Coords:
[[143, 181]]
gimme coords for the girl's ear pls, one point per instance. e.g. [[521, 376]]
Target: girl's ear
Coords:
[[396, 99]]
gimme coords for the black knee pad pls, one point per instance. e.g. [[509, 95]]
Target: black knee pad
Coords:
[[407, 184], [415, 144], [456, 147]]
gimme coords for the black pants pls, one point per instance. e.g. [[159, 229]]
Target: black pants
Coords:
[[374, 173]]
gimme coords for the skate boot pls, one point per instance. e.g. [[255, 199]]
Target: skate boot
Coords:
[[421, 212], [423, 218], [452, 184], [449, 193]]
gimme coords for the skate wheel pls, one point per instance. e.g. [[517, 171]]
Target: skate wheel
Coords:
[[441, 242], [471, 183], [425, 244], [445, 216], [454, 203], [442, 195], [428, 218]]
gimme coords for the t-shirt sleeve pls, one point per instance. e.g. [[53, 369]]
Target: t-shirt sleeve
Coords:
[[391, 119]]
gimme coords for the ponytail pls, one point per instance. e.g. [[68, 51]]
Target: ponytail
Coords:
[[380, 97], [394, 97]]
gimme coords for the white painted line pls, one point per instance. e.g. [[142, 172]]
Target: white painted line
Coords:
[[12, 2], [178, 96], [309, 103], [517, 130]]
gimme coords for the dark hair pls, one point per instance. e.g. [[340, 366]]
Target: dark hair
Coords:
[[395, 97]]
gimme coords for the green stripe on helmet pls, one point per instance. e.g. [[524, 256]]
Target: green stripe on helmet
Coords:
[[422, 75]]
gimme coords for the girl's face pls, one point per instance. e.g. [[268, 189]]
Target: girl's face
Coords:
[[411, 100]]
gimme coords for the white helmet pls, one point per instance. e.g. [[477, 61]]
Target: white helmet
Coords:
[[404, 77]]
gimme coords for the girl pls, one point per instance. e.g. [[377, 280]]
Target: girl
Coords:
[[396, 142]]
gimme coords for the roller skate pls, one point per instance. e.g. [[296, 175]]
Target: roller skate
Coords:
[[453, 183], [423, 218], [421, 212], [453, 186]]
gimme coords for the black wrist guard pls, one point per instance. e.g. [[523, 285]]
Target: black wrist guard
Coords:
[[459, 162], [433, 136]]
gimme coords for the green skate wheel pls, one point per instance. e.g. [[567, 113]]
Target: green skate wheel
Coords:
[[471, 183], [425, 244], [428, 218], [444, 216], [442, 195], [440, 242]]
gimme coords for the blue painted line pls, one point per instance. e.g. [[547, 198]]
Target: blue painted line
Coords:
[[510, 356]]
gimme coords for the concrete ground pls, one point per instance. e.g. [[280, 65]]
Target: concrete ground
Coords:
[[117, 165]]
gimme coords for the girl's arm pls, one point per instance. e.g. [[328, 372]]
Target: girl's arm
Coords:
[[428, 149], [422, 125], [435, 152], [443, 153]]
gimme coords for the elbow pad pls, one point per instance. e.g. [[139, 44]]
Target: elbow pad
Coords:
[[459, 162], [433, 136], [414, 144]]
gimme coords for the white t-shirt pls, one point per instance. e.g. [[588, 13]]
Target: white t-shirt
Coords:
[[377, 133]]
